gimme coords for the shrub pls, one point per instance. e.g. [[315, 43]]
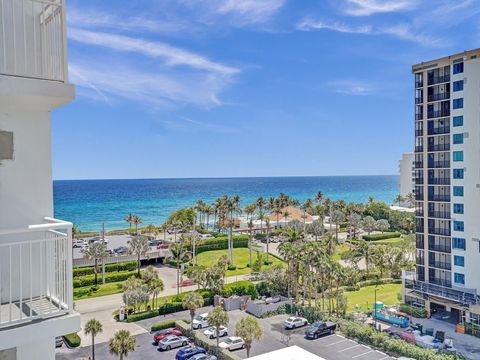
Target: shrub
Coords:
[[232, 267], [413, 311], [89, 280], [72, 340], [387, 235], [221, 243], [240, 288], [121, 266], [163, 325]]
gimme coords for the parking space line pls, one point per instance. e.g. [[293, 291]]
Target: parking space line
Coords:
[[336, 342], [353, 357], [386, 357], [351, 347], [343, 337]]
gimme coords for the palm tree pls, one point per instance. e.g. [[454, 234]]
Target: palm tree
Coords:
[[267, 224], [151, 230], [260, 205], [122, 343], [306, 206], [129, 218], [250, 236], [75, 231], [410, 199], [138, 245], [337, 217], [249, 329], [364, 250], [155, 287], [93, 327], [181, 255], [399, 199], [250, 210], [217, 317], [286, 214], [96, 251], [137, 220], [192, 301]]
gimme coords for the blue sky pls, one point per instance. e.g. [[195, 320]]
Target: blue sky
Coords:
[[213, 88]]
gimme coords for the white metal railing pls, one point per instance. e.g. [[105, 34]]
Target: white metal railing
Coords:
[[35, 272], [33, 39]]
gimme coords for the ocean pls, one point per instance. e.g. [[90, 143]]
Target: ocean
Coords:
[[89, 203]]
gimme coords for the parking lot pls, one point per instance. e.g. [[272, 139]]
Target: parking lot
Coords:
[[330, 347]]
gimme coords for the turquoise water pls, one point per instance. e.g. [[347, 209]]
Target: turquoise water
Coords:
[[88, 203]]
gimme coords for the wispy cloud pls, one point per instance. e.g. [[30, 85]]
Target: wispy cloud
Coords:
[[310, 24], [172, 55], [352, 87], [370, 7]]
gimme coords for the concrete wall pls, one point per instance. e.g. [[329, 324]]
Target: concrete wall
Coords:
[[406, 173]]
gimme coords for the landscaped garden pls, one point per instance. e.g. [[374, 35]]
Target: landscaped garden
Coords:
[[365, 297]]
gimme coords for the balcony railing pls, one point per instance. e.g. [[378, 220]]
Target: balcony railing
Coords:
[[418, 116], [419, 196], [419, 148], [439, 181], [438, 113], [439, 231], [418, 164], [419, 181], [418, 100], [440, 265], [438, 164], [419, 132], [439, 147], [439, 248], [418, 84], [441, 198], [35, 272], [440, 96], [439, 214], [465, 298], [432, 80], [34, 41], [439, 130]]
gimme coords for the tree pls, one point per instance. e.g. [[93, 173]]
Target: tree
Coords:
[[410, 199], [96, 251], [151, 230], [217, 317], [382, 225], [377, 210], [354, 223], [181, 255], [153, 282], [129, 218], [261, 206], [250, 236], [139, 247], [249, 329], [363, 250], [399, 199], [136, 297], [315, 229], [267, 225], [155, 287], [137, 220], [75, 231], [192, 301], [337, 217], [93, 327], [121, 344], [368, 224]]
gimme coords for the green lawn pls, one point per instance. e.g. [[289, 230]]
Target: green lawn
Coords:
[[342, 248], [241, 257], [365, 296], [104, 289], [393, 241]]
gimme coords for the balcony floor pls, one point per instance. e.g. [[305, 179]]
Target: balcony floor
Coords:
[[13, 313]]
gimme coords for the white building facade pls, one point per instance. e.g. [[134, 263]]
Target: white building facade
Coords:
[[35, 249], [407, 173], [447, 187]]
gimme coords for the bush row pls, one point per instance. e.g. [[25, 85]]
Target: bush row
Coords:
[[382, 236], [221, 243], [163, 325], [371, 282], [240, 288], [72, 340], [413, 311], [121, 266], [89, 280]]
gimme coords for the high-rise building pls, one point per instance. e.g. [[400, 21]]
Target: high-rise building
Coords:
[[447, 187], [407, 173], [36, 297]]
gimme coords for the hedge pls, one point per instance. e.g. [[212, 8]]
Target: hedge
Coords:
[[382, 236], [221, 243], [203, 341], [371, 282], [240, 288], [413, 311], [163, 325], [72, 340], [121, 266], [89, 280]]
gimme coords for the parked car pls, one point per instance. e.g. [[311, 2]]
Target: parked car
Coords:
[[110, 252], [206, 236], [78, 243], [187, 282], [121, 250], [211, 332], [163, 246], [188, 351], [159, 335], [58, 341], [200, 321], [153, 242], [273, 300], [232, 343], [320, 328], [203, 357], [172, 342], [294, 322]]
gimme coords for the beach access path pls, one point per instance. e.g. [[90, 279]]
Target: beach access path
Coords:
[[102, 307]]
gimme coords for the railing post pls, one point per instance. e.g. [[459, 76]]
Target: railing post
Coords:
[[69, 295]]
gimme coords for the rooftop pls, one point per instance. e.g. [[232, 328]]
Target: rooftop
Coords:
[[444, 60]]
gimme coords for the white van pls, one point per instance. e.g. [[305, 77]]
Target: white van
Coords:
[[200, 321]]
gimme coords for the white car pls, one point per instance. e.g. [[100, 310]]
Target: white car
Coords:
[[211, 332], [78, 243], [171, 342], [232, 343], [203, 357], [294, 322], [200, 321]]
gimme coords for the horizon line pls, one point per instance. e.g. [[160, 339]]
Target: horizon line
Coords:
[[223, 177]]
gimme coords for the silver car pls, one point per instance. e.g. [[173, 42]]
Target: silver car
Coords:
[[172, 342], [203, 357], [211, 332]]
